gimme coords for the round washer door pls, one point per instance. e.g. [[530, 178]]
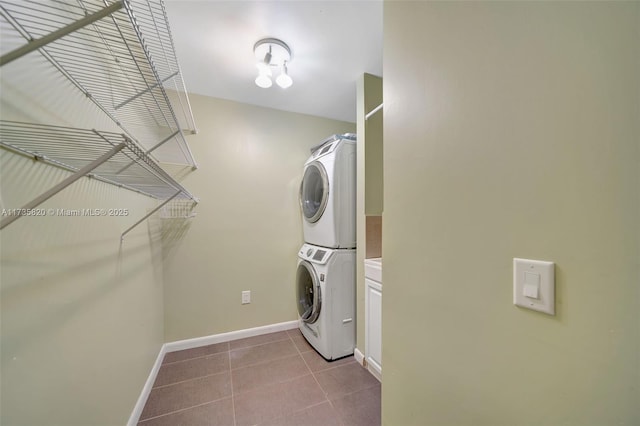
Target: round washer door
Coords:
[[314, 191], [308, 293]]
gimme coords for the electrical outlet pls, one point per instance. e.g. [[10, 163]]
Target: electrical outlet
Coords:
[[246, 297]]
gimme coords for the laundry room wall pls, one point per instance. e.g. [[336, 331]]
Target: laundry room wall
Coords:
[[81, 311], [248, 226], [511, 130]]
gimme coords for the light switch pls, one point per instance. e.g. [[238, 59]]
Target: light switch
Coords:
[[534, 285], [531, 284], [531, 291]]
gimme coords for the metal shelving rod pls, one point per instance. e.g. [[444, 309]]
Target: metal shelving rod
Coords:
[[168, 138], [148, 164], [62, 185], [149, 214], [137, 95], [51, 162], [186, 151], [35, 44], [188, 112], [373, 111]]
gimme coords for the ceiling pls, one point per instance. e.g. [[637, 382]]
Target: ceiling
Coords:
[[332, 43]]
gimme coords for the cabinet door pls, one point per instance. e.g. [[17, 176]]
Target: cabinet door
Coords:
[[373, 325]]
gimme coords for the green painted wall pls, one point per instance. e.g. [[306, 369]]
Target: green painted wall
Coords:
[[248, 227], [82, 316], [511, 130], [81, 313]]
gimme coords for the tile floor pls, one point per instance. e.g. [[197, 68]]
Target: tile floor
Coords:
[[275, 379]]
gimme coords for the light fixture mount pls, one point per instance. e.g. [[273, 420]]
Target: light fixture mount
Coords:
[[272, 53], [280, 51]]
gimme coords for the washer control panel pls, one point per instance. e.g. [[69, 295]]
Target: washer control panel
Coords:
[[314, 254]]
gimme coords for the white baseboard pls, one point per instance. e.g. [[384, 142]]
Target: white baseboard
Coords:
[[196, 343], [146, 390], [359, 356], [373, 368], [227, 337]]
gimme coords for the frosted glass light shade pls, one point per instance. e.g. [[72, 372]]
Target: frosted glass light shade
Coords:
[[263, 81], [284, 80]]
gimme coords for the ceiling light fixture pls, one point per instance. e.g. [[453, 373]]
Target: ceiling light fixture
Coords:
[[272, 53]]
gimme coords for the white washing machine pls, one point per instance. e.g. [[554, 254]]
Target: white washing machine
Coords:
[[328, 193], [326, 298]]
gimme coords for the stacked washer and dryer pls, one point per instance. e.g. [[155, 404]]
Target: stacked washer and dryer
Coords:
[[326, 274]]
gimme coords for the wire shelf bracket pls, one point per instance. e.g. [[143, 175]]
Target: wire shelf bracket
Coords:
[[62, 185], [148, 214], [35, 44]]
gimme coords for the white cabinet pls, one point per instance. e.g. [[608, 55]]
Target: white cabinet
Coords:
[[373, 316]]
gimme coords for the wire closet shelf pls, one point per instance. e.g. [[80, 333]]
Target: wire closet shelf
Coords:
[[110, 157], [120, 54], [73, 149]]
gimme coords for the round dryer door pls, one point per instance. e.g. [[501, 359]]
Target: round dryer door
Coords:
[[308, 293], [314, 191]]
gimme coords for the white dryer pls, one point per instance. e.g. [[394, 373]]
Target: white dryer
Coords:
[[328, 193], [326, 297]]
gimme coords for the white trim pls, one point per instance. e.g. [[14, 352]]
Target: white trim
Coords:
[[227, 337], [374, 369], [369, 364], [146, 390], [195, 343]]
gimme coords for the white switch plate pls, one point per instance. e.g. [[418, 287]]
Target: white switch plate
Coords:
[[246, 297], [527, 275]]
